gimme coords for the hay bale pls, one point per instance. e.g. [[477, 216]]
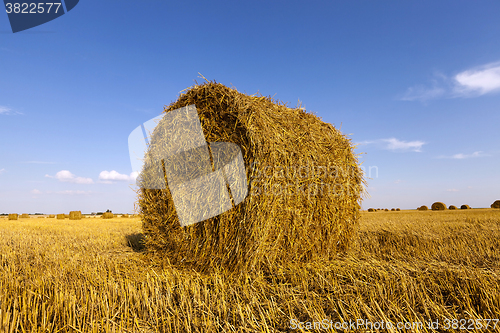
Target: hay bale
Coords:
[[51, 216], [294, 210], [66, 216], [393, 209], [125, 216], [75, 215], [13, 216], [61, 216], [464, 207], [107, 215], [386, 210], [496, 204], [371, 210], [398, 210], [438, 206], [452, 207], [25, 216], [423, 208]]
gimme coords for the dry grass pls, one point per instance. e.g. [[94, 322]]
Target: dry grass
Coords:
[[58, 276]]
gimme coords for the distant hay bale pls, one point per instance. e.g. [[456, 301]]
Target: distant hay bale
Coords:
[[61, 216], [452, 207], [393, 209], [371, 210], [66, 216], [397, 209], [423, 208], [303, 181], [386, 210], [438, 206], [496, 204], [107, 215], [13, 216], [464, 207], [125, 216], [24, 216], [75, 215], [51, 216]]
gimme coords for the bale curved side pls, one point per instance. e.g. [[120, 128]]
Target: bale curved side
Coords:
[[465, 207], [423, 208], [438, 206], [304, 187], [452, 207], [496, 204]]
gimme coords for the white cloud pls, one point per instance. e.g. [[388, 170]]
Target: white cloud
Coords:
[[38, 162], [35, 191], [465, 156], [472, 82], [398, 181], [452, 190], [396, 144], [2, 171], [478, 81], [108, 176], [68, 177], [7, 111]]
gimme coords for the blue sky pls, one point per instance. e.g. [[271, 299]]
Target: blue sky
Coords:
[[415, 83]]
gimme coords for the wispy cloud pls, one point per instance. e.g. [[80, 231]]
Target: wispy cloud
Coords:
[[108, 177], [35, 191], [2, 171], [394, 144], [7, 111], [68, 177], [472, 82], [461, 156]]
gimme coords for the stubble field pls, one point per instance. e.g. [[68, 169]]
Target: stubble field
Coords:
[[412, 269]]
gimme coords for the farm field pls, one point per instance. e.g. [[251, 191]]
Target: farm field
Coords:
[[410, 267]]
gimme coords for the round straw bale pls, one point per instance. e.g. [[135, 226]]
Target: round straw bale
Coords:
[[302, 196], [372, 210], [452, 207], [464, 207], [13, 216], [75, 215], [496, 204], [51, 216], [393, 209], [422, 208], [25, 216], [61, 216], [107, 215], [386, 210], [125, 216], [397, 209], [438, 206]]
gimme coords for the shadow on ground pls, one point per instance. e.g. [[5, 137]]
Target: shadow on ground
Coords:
[[136, 241]]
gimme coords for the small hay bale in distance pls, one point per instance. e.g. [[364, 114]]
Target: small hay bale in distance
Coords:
[[372, 210], [279, 220], [423, 208], [75, 215], [438, 206], [496, 204], [386, 210], [13, 216], [24, 216], [393, 209], [465, 207], [398, 210], [107, 215], [125, 216], [452, 207], [61, 216], [51, 216]]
